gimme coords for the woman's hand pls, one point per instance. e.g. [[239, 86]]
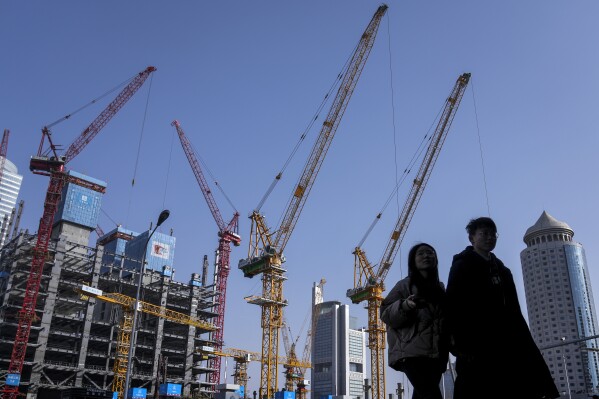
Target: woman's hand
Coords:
[[409, 303]]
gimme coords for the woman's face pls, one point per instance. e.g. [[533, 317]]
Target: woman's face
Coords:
[[425, 258]]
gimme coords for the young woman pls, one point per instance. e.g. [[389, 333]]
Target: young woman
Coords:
[[415, 318]]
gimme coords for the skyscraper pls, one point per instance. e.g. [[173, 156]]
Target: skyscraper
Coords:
[[9, 190], [560, 305], [338, 353]]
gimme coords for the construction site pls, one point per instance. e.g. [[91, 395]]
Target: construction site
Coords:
[[108, 319]]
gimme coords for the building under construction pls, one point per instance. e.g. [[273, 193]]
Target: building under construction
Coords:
[[73, 339]]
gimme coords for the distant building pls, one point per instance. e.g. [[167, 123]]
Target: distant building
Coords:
[[560, 305], [338, 353], [9, 191]]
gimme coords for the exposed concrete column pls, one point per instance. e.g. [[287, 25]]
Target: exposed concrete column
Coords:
[[164, 287], [50, 302], [89, 314], [11, 273], [194, 294]]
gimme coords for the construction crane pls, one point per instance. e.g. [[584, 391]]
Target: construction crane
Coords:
[[125, 330], [290, 366], [227, 234], [368, 280], [265, 255], [49, 163], [242, 358]]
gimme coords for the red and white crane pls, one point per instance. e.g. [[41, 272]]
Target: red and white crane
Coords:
[[227, 234], [49, 163]]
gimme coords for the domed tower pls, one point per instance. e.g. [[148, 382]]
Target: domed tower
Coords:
[[560, 305]]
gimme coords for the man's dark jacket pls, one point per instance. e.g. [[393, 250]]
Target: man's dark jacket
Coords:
[[491, 340]]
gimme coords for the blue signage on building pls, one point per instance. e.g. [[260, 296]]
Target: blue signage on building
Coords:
[[13, 379]]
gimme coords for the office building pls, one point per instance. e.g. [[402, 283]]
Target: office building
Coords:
[[560, 306], [9, 191], [338, 353]]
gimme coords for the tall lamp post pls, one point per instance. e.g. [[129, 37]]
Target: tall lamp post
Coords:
[[161, 218], [566, 370]]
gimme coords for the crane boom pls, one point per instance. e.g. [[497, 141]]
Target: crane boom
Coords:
[[368, 282], [53, 166], [265, 256], [228, 233], [101, 120]]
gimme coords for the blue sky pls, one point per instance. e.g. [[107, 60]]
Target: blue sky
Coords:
[[245, 78]]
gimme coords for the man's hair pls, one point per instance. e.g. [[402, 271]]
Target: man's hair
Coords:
[[478, 223]]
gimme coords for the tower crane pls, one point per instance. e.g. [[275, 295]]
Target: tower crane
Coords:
[[242, 358], [227, 234], [290, 366], [128, 303], [266, 246], [369, 279], [49, 163]]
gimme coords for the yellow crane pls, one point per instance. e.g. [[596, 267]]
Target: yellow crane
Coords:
[[125, 330], [266, 246], [242, 358], [369, 279]]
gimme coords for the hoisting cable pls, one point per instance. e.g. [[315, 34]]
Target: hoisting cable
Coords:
[[334, 87], [108, 216], [480, 146], [336, 83], [168, 170], [141, 135], [417, 155], [68, 116], [207, 169], [92, 102], [392, 120]]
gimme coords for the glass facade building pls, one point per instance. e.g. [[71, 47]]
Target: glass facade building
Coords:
[[9, 191], [561, 308], [338, 353]]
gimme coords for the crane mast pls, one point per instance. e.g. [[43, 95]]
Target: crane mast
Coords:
[[368, 282], [265, 255], [54, 167], [227, 233]]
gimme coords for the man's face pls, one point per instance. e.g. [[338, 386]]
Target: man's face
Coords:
[[484, 239]]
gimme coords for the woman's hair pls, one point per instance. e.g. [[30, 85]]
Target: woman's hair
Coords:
[[429, 286]]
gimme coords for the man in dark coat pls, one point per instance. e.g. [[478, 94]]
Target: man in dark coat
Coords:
[[496, 356]]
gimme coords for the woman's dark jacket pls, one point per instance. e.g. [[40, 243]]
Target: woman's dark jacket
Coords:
[[417, 332], [488, 330]]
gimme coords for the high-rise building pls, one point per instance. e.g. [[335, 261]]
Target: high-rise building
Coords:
[[338, 353], [9, 191], [560, 304]]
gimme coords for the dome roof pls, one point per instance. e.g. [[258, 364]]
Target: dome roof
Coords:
[[547, 223]]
